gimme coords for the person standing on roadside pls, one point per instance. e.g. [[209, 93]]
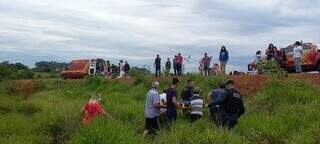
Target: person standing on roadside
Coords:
[[168, 66], [206, 64], [271, 52], [172, 103], [126, 68], [174, 63], [152, 110], [157, 65], [223, 58], [179, 64], [297, 52]]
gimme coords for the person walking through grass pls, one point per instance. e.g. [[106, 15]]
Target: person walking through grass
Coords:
[[172, 103], [196, 104], [168, 67], [152, 110], [157, 65], [206, 63], [223, 58], [93, 109], [297, 52], [217, 112], [233, 105]]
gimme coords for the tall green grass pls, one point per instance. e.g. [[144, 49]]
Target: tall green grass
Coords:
[[283, 112]]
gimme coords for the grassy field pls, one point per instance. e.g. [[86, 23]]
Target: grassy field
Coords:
[[283, 112]]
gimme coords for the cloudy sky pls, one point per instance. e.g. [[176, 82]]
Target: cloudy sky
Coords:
[[136, 30]]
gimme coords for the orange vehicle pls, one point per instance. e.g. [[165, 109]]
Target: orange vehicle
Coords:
[[310, 60], [82, 68]]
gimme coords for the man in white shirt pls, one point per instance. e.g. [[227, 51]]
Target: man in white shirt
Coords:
[[297, 52]]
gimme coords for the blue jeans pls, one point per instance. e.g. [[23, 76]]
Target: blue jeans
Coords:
[[297, 63]]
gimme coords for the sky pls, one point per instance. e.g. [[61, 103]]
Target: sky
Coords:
[[137, 30]]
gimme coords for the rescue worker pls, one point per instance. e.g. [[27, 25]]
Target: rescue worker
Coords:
[[187, 92], [233, 105], [217, 112]]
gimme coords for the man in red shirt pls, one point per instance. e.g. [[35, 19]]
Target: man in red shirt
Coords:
[[92, 109], [179, 64], [206, 63]]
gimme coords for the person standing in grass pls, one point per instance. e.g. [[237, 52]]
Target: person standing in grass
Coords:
[[126, 68], [223, 58], [152, 110], [168, 66], [172, 103], [297, 52], [179, 64], [174, 65], [157, 65], [216, 110], [233, 105], [93, 109], [197, 104], [206, 64]]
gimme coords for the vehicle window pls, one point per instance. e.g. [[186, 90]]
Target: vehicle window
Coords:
[[306, 47], [288, 50]]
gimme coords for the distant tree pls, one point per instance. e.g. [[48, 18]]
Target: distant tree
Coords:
[[10, 71], [45, 66]]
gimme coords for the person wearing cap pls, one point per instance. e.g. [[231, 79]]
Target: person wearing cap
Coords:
[[233, 105], [93, 109], [172, 103], [196, 104], [152, 110], [216, 110]]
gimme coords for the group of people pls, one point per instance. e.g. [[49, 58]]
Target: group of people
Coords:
[[216, 69], [204, 68], [225, 105], [176, 64], [272, 53], [120, 71]]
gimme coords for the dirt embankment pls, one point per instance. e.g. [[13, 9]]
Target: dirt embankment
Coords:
[[250, 84]]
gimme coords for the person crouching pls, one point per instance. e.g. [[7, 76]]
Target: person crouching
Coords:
[[197, 104]]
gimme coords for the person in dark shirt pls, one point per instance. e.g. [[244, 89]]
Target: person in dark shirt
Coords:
[[271, 52], [168, 66], [174, 63], [187, 92], [172, 103], [126, 68], [157, 65], [233, 105], [216, 110]]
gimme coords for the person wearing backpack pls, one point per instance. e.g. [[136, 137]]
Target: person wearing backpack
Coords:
[[233, 105], [217, 112]]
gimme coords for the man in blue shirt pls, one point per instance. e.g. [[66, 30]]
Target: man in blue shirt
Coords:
[[152, 110]]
